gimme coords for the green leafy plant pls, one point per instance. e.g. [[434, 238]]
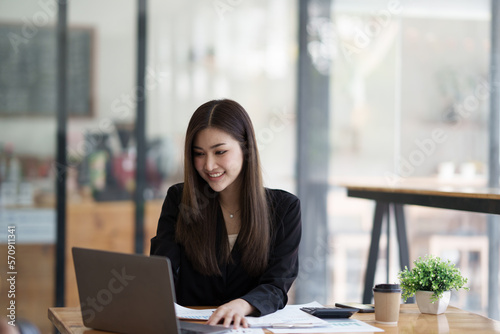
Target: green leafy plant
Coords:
[[431, 274]]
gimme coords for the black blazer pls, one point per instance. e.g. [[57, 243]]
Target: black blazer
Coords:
[[266, 293]]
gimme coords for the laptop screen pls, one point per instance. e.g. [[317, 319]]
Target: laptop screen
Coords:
[[129, 293]]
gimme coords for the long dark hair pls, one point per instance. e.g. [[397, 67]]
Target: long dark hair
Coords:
[[197, 222]]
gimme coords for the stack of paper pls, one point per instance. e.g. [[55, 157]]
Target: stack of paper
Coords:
[[289, 315], [288, 320], [192, 314]]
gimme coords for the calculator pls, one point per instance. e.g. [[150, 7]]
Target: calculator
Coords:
[[330, 312]]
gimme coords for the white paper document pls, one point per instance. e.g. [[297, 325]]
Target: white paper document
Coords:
[[290, 314], [290, 319], [195, 314], [247, 331], [334, 326], [192, 314]]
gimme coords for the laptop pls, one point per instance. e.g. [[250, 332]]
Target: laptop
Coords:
[[129, 293]]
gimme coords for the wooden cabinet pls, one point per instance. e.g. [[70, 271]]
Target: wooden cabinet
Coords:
[[33, 286], [99, 225], [106, 226]]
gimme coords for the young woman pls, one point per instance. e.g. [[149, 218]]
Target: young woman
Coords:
[[232, 243]]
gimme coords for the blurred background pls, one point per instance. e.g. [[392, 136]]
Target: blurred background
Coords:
[[385, 76]]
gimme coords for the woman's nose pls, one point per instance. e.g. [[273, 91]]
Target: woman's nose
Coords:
[[210, 163]]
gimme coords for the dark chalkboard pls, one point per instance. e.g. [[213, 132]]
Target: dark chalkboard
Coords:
[[28, 70]]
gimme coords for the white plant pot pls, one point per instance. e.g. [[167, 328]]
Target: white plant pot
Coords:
[[425, 305]]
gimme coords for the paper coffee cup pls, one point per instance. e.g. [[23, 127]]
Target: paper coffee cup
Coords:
[[387, 301]]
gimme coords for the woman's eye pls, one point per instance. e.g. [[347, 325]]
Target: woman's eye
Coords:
[[220, 152], [197, 154]]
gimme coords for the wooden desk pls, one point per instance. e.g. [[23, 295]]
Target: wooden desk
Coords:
[[483, 200], [69, 321]]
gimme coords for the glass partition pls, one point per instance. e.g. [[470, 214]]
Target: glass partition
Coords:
[[243, 50], [100, 143], [27, 153], [409, 105]]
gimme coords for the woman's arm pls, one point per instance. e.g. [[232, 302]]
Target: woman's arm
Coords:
[[163, 243], [271, 293]]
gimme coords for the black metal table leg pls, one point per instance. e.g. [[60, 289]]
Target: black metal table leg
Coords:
[[404, 253], [381, 210]]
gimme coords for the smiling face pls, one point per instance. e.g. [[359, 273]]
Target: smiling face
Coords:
[[218, 158]]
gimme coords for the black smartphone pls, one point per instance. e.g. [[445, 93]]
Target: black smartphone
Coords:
[[363, 308]]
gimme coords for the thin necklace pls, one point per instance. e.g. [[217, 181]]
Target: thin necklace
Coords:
[[231, 215]]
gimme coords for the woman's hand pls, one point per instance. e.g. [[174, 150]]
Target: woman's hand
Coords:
[[232, 312]]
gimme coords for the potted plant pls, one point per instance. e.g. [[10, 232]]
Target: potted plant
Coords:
[[431, 281]]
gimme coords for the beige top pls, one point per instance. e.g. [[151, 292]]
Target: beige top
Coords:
[[232, 239]]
